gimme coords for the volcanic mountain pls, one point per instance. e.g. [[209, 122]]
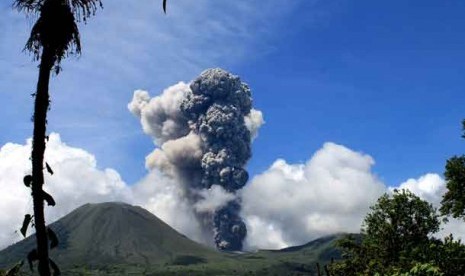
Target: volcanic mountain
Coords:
[[120, 239], [112, 233]]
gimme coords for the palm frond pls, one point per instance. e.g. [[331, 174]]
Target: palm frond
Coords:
[[56, 27], [82, 9], [55, 30], [29, 6]]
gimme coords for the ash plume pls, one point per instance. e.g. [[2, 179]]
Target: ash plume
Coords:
[[204, 132]]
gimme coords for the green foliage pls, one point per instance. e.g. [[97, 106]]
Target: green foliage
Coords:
[[188, 260], [397, 241], [395, 236], [398, 228], [419, 269], [448, 255], [453, 201], [354, 257]]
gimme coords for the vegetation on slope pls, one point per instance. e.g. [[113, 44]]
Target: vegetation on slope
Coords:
[[119, 239]]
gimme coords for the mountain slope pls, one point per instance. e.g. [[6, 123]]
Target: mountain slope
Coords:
[[113, 233], [120, 239], [299, 260]]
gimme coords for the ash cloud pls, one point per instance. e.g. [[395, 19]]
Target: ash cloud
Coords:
[[160, 116], [204, 132]]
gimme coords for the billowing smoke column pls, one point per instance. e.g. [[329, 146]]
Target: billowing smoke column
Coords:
[[204, 132], [216, 107]]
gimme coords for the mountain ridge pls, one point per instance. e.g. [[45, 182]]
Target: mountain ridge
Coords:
[[115, 238], [91, 235]]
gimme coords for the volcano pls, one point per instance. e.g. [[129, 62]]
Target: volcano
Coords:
[[103, 234], [120, 239]]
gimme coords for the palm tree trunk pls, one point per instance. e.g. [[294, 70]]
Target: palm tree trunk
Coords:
[[38, 150]]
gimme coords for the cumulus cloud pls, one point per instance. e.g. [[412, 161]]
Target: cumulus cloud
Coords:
[[429, 187], [288, 204], [76, 181], [291, 204]]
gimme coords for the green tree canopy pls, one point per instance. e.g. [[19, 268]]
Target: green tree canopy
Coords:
[[395, 236], [453, 201], [448, 255], [399, 226]]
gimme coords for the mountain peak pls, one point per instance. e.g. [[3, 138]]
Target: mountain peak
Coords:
[[111, 233]]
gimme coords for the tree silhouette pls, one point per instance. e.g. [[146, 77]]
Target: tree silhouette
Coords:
[[54, 36]]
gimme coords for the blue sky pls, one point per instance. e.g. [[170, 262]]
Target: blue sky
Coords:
[[384, 78]]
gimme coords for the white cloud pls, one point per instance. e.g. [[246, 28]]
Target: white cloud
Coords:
[[293, 204], [76, 181], [14, 195], [429, 187], [254, 121], [288, 204]]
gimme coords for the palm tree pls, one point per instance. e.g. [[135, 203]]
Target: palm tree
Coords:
[[53, 37]]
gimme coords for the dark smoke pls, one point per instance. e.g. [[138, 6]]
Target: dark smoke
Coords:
[[216, 107], [204, 132]]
